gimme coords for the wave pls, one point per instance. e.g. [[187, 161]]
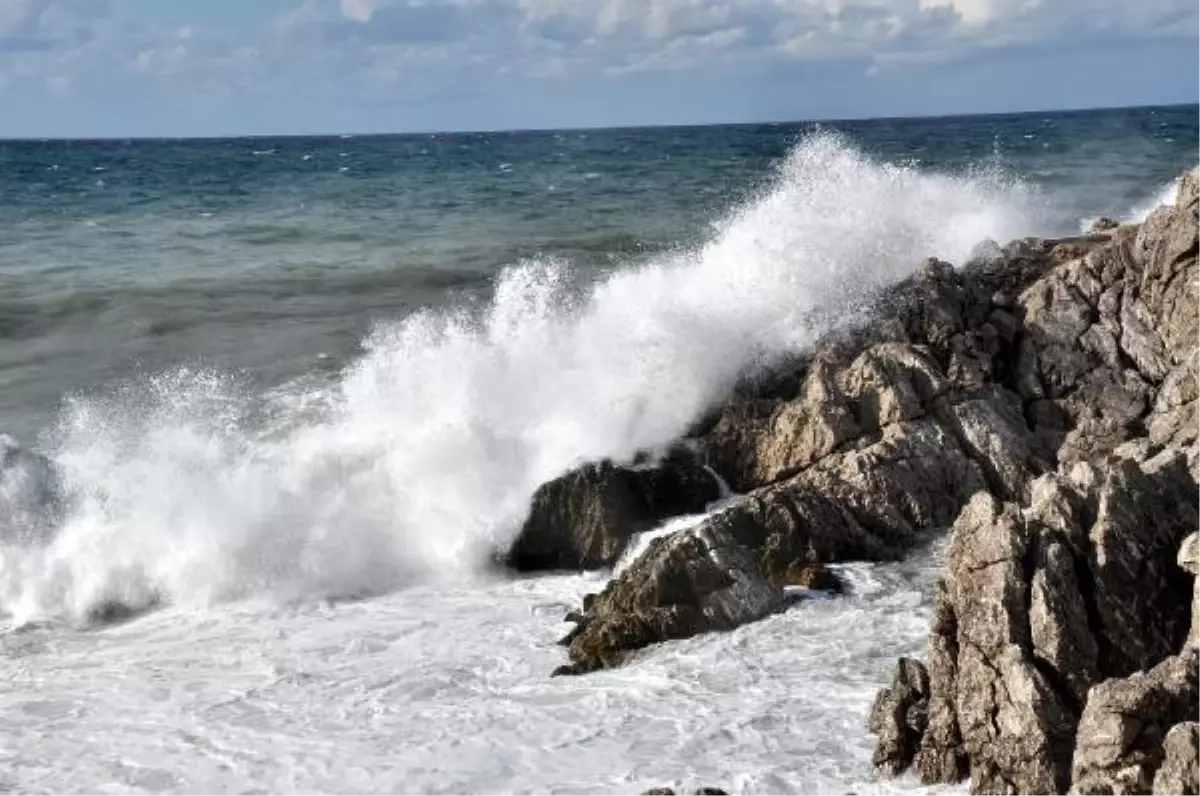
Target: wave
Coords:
[[430, 446], [1163, 195]]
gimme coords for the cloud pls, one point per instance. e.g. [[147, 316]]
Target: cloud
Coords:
[[379, 56], [359, 10]]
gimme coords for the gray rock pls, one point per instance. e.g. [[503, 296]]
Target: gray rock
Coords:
[[899, 716], [1120, 742], [585, 518], [1178, 772], [694, 581]]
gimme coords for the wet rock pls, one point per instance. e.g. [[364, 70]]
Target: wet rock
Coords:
[[584, 519], [1179, 771], [1104, 223], [690, 582]]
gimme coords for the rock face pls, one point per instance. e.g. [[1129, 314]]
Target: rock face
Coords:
[[691, 582], [1063, 651], [1179, 771], [584, 519], [1041, 402]]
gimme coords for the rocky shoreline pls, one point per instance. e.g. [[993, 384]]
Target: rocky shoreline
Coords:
[[1039, 404]]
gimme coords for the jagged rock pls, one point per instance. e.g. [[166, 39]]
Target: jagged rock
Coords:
[[690, 582], [899, 716], [1015, 727], [1179, 771], [584, 519], [867, 503], [1121, 735], [1040, 604], [1104, 223]]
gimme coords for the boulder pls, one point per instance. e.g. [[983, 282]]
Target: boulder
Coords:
[[584, 519], [693, 581]]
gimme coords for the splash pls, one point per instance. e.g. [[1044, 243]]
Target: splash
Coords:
[[1165, 195], [423, 458]]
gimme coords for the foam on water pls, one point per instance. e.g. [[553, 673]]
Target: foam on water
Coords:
[[426, 453], [446, 690]]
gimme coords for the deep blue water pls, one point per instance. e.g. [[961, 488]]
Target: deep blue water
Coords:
[[274, 256]]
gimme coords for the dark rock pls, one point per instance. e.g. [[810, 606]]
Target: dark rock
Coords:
[[710, 792], [900, 715], [585, 518], [1103, 224], [659, 792], [689, 582]]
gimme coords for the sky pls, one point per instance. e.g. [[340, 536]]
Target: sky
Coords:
[[78, 68]]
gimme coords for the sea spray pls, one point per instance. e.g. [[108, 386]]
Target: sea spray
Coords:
[[436, 438]]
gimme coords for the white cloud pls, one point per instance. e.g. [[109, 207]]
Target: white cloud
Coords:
[[377, 52], [359, 10]]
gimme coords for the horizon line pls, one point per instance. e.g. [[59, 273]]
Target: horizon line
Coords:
[[605, 128]]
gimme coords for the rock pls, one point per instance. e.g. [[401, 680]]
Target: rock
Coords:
[[1178, 772], [659, 792], [1123, 729], [707, 791], [693, 581], [1015, 726], [899, 716], [867, 503], [1189, 552], [1038, 605], [585, 518], [1104, 223]]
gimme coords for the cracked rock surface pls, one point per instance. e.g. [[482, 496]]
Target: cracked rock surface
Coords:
[[1041, 403]]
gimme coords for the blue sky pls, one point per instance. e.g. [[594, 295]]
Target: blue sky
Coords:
[[215, 67]]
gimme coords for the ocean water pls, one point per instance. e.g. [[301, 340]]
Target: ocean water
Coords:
[[287, 396]]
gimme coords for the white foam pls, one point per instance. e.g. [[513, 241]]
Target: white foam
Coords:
[[446, 690], [1164, 196], [433, 443]]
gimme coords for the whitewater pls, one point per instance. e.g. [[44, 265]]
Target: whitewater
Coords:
[[305, 576]]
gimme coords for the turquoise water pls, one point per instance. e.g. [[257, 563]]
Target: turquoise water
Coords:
[[273, 257]]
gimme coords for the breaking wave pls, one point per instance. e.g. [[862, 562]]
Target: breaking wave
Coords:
[[421, 459]]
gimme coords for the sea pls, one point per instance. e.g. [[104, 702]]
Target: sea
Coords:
[[270, 406]]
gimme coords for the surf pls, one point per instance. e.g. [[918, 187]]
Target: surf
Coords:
[[420, 460]]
